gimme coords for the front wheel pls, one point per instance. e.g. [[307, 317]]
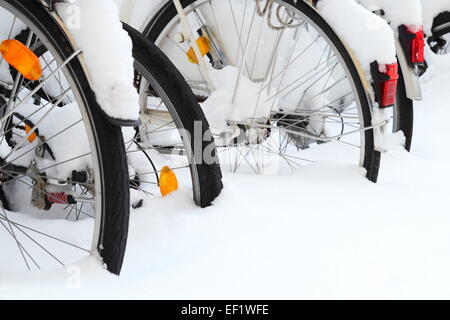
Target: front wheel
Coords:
[[64, 189]]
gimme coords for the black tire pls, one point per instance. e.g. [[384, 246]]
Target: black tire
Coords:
[[371, 157], [404, 113], [113, 169], [153, 64]]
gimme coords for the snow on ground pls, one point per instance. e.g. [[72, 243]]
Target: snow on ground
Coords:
[[325, 232]]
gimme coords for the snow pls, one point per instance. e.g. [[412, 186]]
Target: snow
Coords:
[[219, 107], [409, 12], [319, 233], [371, 41], [398, 12], [102, 51]]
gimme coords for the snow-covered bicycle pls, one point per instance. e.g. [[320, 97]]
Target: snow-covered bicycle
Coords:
[[279, 87], [61, 160], [415, 23], [65, 182]]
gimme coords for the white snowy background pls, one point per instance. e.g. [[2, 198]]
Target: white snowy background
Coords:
[[324, 232]]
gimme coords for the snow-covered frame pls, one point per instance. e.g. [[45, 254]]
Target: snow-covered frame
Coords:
[[106, 53]]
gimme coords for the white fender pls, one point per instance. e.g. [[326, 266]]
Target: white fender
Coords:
[[412, 82]]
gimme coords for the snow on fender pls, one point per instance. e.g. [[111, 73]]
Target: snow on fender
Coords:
[[370, 38], [398, 12], [368, 35], [107, 53]]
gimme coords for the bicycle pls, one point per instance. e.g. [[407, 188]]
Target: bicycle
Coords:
[[83, 180], [326, 109], [63, 177], [439, 40]]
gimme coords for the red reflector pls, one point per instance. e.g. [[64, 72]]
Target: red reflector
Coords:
[[389, 87], [417, 45]]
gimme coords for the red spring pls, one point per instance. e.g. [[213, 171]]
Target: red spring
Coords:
[[58, 197]]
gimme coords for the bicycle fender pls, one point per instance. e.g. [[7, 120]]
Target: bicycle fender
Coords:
[[118, 121]]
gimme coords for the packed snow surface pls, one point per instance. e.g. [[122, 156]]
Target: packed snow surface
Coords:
[[324, 232], [106, 52]]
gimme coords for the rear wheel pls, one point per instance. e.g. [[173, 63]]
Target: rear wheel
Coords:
[[286, 91], [439, 41]]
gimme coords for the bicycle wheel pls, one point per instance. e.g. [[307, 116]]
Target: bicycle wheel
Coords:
[[174, 132], [63, 172], [287, 92]]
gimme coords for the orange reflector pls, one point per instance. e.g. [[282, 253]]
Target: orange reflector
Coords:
[[203, 45], [168, 182], [32, 136], [21, 58]]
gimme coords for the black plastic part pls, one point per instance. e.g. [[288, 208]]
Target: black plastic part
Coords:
[[138, 204], [79, 176], [378, 80], [405, 38], [440, 20], [71, 199], [4, 201], [436, 41]]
